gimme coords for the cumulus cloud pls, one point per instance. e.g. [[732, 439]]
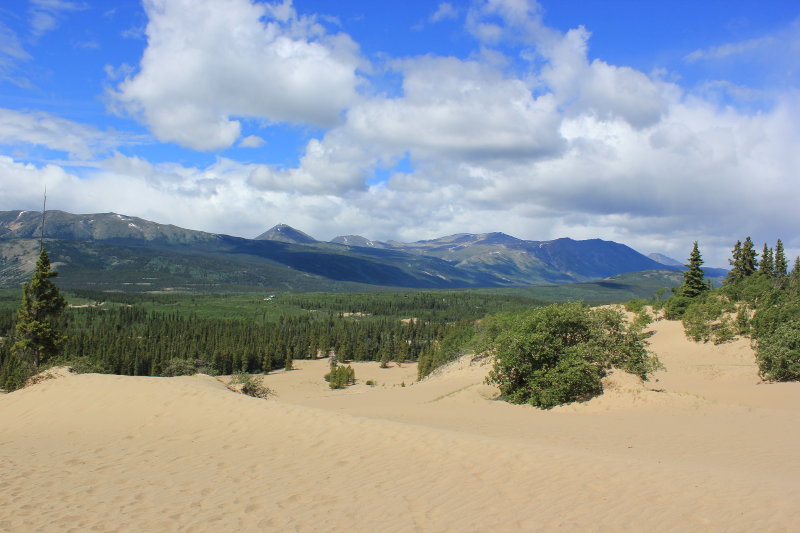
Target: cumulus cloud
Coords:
[[207, 62], [528, 136], [450, 111], [459, 110], [604, 90]]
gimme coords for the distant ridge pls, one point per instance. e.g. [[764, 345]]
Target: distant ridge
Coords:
[[664, 260], [358, 240], [110, 251], [285, 233]]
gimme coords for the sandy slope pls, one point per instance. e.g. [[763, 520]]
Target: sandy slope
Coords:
[[711, 449]]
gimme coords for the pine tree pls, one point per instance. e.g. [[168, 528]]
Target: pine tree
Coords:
[[749, 262], [767, 267], [736, 263], [37, 334], [794, 275], [781, 265], [694, 283]]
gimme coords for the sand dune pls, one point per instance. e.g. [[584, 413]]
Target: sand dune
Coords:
[[703, 447]]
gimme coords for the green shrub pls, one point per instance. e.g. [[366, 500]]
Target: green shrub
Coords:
[[460, 340], [636, 306], [185, 367], [252, 385], [340, 376], [85, 365], [743, 320], [559, 354], [15, 372], [657, 301], [778, 352], [708, 319], [675, 306]]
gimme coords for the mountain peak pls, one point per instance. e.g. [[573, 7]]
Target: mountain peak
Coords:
[[286, 233], [664, 260], [357, 240]]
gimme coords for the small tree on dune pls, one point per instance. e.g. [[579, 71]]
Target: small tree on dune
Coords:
[[735, 272], [37, 335], [694, 283]]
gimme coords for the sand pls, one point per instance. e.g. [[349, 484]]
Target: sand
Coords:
[[704, 446]]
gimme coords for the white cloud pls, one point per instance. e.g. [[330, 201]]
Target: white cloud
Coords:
[[444, 10], [543, 145], [197, 76], [729, 49], [459, 110], [450, 111], [49, 131], [11, 54], [604, 90], [45, 14], [514, 21], [252, 141]]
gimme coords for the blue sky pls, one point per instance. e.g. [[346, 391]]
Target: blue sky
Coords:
[[649, 123]]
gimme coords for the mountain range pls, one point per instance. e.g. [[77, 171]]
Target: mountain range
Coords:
[[109, 251]]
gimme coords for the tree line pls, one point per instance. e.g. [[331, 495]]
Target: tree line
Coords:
[[760, 299], [132, 341]]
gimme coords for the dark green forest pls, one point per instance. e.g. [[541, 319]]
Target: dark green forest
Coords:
[[171, 334]]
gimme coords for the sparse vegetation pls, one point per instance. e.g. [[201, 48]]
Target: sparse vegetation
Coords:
[[760, 298], [251, 385], [559, 353], [340, 376], [186, 367]]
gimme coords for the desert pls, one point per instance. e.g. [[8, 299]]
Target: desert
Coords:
[[703, 446]]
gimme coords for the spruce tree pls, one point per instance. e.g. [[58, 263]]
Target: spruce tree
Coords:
[[794, 275], [37, 334], [736, 263], [781, 265], [694, 283], [749, 262], [767, 266]]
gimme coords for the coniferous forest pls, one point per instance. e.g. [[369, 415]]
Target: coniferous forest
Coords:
[[175, 334], [166, 335]]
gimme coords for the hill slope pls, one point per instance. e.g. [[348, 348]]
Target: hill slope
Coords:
[[117, 252]]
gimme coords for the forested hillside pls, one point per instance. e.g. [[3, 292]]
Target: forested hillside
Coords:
[[109, 251]]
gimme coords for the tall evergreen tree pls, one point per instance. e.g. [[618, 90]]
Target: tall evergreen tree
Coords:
[[794, 275], [37, 335], [749, 262], [694, 283], [767, 266], [781, 265], [736, 263]]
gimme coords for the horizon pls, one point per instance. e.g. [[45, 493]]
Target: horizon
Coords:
[[648, 124]]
